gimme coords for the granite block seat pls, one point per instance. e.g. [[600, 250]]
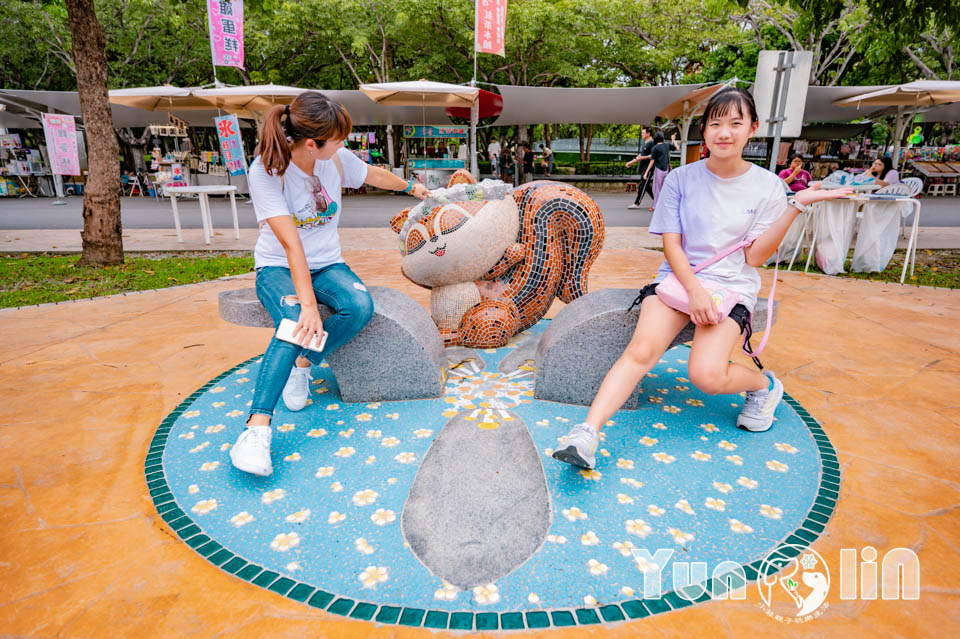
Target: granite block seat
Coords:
[[398, 355], [585, 339]]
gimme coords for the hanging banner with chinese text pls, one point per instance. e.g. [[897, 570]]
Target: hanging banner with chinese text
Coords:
[[231, 146], [61, 134], [226, 32], [490, 24]]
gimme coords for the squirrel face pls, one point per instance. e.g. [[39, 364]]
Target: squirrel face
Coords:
[[457, 242]]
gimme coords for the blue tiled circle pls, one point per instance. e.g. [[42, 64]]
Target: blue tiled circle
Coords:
[[325, 527]]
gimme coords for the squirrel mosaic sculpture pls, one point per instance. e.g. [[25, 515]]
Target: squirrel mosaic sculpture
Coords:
[[494, 260]]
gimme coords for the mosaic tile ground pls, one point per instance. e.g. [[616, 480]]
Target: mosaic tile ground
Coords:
[[325, 527]]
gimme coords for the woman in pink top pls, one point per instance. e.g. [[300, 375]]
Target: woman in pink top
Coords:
[[796, 177]]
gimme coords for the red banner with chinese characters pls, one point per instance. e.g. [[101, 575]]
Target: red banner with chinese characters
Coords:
[[490, 27], [226, 32]]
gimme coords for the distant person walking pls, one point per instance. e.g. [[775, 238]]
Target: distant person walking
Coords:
[[643, 158], [493, 154], [546, 158], [660, 162], [527, 154]]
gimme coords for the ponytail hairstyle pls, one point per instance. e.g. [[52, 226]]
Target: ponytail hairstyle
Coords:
[[311, 116], [729, 98]]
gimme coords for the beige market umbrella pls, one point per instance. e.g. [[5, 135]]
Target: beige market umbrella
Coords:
[[165, 98], [423, 93], [909, 97], [249, 101]]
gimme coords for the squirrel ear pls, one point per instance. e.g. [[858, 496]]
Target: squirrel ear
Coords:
[[397, 222]]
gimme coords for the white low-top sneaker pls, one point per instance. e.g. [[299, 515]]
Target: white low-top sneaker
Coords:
[[251, 453], [759, 406], [580, 449], [297, 389]]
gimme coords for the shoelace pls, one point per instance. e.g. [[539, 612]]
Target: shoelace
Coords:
[[302, 380], [580, 428], [753, 400]]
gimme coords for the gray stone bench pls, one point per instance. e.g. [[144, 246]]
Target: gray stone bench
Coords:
[[398, 355], [587, 337]]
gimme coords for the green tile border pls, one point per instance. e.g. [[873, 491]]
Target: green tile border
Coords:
[[155, 479]]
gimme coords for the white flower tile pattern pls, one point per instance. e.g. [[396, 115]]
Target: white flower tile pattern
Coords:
[[676, 474]]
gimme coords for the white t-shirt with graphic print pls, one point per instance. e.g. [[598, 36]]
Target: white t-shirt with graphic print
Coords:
[[714, 213], [294, 195]]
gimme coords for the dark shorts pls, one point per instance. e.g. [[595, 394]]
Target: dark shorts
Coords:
[[738, 313]]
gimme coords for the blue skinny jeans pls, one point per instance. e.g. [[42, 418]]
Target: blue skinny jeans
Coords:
[[335, 286]]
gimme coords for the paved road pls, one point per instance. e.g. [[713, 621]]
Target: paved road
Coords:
[[360, 211]]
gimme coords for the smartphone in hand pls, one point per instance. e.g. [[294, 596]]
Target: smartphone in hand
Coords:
[[285, 333]]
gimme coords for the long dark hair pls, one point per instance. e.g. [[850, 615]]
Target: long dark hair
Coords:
[[887, 166], [729, 98], [311, 116]]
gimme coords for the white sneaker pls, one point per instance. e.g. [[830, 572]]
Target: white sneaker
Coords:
[[251, 453], [580, 448], [759, 406], [297, 389]]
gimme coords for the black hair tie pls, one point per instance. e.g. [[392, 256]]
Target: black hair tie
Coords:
[[288, 125]]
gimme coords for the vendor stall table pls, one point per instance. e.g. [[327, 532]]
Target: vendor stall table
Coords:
[[205, 218]]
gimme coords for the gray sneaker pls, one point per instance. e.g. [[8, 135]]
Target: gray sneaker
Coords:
[[759, 406], [580, 448]]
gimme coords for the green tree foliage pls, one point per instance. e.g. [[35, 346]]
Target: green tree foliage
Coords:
[[342, 43]]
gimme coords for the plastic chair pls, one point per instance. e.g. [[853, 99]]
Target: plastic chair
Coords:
[[915, 184]]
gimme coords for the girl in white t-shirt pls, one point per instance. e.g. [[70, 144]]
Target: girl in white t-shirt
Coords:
[[295, 183], [704, 208]]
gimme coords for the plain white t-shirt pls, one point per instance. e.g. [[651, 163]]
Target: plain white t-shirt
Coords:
[[714, 213], [493, 148], [293, 195]]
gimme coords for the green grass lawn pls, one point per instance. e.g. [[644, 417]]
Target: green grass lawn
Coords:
[[28, 279], [940, 268]]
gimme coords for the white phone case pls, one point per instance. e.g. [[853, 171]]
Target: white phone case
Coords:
[[285, 333]]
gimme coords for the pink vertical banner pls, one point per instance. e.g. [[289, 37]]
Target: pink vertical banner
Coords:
[[226, 32], [490, 24], [61, 134]]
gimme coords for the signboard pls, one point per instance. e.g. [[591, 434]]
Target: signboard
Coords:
[[61, 134], [772, 90], [226, 32], [490, 23], [231, 146], [10, 141], [436, 163], [411, 131]]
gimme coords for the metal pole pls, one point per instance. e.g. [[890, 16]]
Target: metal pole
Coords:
[[784, 89], [685, 131], [213, 57], [898, 135]]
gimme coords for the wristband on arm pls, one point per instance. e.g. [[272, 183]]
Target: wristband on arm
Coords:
[[409, 187]]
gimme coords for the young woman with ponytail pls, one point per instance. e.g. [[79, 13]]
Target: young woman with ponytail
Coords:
[[295, 183]]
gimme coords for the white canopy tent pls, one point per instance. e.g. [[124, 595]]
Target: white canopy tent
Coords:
[[908, 99]]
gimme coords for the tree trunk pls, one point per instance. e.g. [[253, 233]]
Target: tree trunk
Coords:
[[522, 134], [580, 140], [547, 137], [102, 232], [589, 140]]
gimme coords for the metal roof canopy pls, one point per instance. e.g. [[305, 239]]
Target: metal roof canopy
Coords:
[[23, 105], [549, 105]]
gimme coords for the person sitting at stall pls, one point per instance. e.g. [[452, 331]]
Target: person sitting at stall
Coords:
[[796, 177], [882, 172]]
